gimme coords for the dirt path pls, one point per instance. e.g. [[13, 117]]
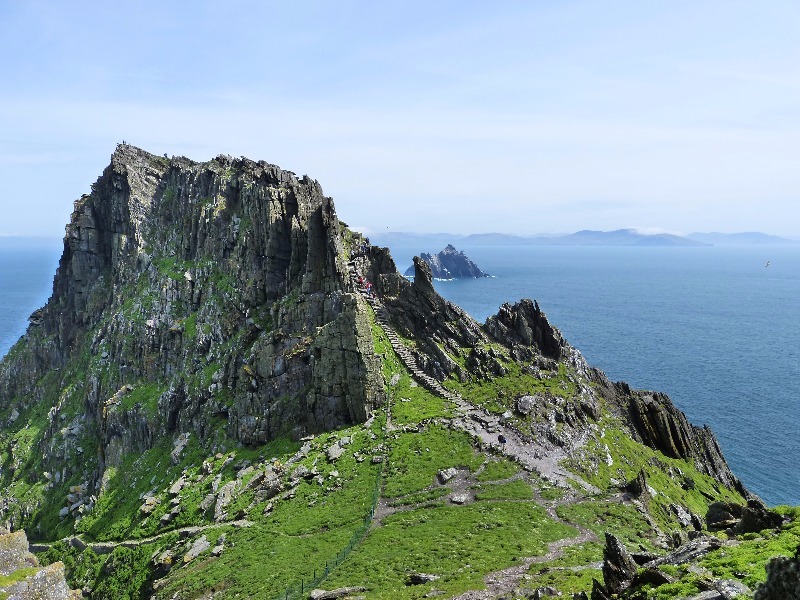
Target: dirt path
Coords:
[[108, 547], [507, 580]]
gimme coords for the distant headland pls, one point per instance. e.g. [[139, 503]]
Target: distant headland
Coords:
[[619, 237]]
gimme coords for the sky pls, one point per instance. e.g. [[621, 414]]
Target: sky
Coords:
[[447, 116]]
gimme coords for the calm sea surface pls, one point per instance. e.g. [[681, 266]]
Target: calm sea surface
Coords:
[[27, 267], [712, 327]]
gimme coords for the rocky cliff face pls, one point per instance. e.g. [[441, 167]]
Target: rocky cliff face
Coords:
[[189, 294]]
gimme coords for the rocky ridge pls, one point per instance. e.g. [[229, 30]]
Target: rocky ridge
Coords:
[[192, 292], [209, 336]]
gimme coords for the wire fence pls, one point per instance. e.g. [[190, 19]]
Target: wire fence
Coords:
[[303, 588]]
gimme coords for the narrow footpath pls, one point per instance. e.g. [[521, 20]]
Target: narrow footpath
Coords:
[[484, 426]]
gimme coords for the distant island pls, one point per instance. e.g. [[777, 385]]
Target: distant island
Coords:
[[746, 238], [449, 264], [619, 237]]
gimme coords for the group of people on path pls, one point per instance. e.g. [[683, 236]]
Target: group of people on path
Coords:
[[363, 283], [362, 250]]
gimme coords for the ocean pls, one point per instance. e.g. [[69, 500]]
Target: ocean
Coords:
[[27, 267], [710, 326]]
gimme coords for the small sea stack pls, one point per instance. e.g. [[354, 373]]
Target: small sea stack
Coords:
[[449, 264]]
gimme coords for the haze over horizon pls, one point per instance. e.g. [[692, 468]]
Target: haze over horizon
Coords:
[[514, 118]]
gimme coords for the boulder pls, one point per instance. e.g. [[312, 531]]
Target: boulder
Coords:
[[783, 579], [334, 452], [526, 404], [224, 498], [722, 515], [756, 517], [415, 578], [446, 475], [198, 547]]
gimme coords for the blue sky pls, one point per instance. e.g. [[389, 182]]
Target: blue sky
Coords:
[[520, 117]]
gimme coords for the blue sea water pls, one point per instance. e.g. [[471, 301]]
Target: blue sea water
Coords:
[[27, 267], [712, 327]]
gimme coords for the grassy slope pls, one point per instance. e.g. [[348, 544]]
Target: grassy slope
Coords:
[[513, 515]]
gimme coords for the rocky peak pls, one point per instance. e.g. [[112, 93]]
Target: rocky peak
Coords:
[[448, 264], [191, 291], [525, 323]]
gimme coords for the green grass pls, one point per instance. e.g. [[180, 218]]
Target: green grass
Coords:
[[145, 395], [751, 556], [17, 576], [331, 505], [499, 394], [496, 470], [460, 544], [300, 534], [81, 567], [125, 575], [259, 562], [416, 458], [600, 516], [423, 497], [668, 476], [513, 490], [171, 267], [116, 514], [413, 404], [566, 580]]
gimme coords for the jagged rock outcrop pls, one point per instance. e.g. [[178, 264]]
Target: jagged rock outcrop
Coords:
[[740, 519], [188, 293], [619, 569], [448, 264], [783, 579], [660, 425], [525, 323]]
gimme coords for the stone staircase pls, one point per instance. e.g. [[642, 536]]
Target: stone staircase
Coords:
[[487, 427], [21, 576], [430, 383]]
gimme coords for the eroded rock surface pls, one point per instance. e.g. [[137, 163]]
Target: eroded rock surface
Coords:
[[27, 579]]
